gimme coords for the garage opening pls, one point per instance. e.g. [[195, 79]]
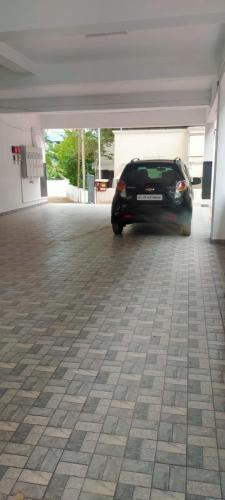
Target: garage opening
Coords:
[[84, 165]]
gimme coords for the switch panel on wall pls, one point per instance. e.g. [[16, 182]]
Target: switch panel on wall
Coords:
[[31, 162]]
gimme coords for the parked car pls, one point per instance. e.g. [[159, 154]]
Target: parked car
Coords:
[[154, 191]]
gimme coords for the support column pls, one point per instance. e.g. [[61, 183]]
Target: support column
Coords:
[[208, 164], [209, 150], [218, 207]]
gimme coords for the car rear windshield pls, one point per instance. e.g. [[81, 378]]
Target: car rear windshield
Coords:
[[156, 173]]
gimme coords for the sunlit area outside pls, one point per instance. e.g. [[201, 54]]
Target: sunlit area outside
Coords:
[[106, 152], [73, 157]]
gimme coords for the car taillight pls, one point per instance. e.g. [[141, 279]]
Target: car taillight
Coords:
[[181, 186], [121, 187]]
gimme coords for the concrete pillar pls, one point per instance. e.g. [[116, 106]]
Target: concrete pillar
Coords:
[[209, 150], [209, 156], [218, 207]]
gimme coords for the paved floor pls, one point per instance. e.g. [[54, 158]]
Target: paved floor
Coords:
[[112, 359]]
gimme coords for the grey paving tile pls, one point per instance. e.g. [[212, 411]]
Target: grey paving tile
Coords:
[[195, 456], [19, 449], [206, 489], [97, 466], [135, 478], [29, 490], [38, 455], [124, 491], [177, 480], [76, 457], [170, 458], [161, 476], [137, 466], [56, 487], [166, 495], [165, 431], [90, 496], [51, 460], [100, 488], [3, 469], [71, 469], [141, 493]]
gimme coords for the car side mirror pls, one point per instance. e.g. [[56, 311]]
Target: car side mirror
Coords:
[[196, 180]]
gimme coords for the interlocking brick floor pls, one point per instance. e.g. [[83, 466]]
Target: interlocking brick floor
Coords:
[[112, 359]]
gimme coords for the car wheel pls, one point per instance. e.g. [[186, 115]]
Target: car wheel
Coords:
[[185, 229], [117, 227]]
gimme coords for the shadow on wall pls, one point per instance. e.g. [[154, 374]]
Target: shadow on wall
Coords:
[[218, 235]]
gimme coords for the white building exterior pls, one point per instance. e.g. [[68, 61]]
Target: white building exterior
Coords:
[[185, 143]]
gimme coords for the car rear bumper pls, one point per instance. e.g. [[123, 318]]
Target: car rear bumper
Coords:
[[162, 215]]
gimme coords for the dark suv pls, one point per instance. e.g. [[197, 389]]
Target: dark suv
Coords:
[[156, 191]]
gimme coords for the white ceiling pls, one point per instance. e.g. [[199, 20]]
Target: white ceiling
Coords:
[[168, 54], [65, 45]]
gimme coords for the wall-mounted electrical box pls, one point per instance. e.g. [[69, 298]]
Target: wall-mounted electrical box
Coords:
[[16, 154], [31, 162]]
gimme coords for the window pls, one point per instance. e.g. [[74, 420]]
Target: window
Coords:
[[145, 173]]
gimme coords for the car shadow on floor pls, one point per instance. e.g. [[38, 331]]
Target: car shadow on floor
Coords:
[[151, 230]]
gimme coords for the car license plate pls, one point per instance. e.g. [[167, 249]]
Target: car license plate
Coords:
[[147, 197]]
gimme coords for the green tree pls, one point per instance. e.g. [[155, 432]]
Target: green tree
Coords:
[[61, 159], [53, 171], [107, 139], [66, 156]]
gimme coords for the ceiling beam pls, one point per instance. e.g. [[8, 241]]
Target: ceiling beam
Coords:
[[143, 118], [144, 100], [15, 61], [109, 87], [113, 70]]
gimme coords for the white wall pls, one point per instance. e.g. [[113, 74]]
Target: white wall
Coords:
[[63, 189], [197, 145], [149, 144], [105, 196], [218, 211], [196, 150], [57, 188], [77, 195], [15, 193], [209, 149]]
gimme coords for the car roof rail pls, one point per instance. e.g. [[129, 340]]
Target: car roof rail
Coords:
[[134, 159]]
